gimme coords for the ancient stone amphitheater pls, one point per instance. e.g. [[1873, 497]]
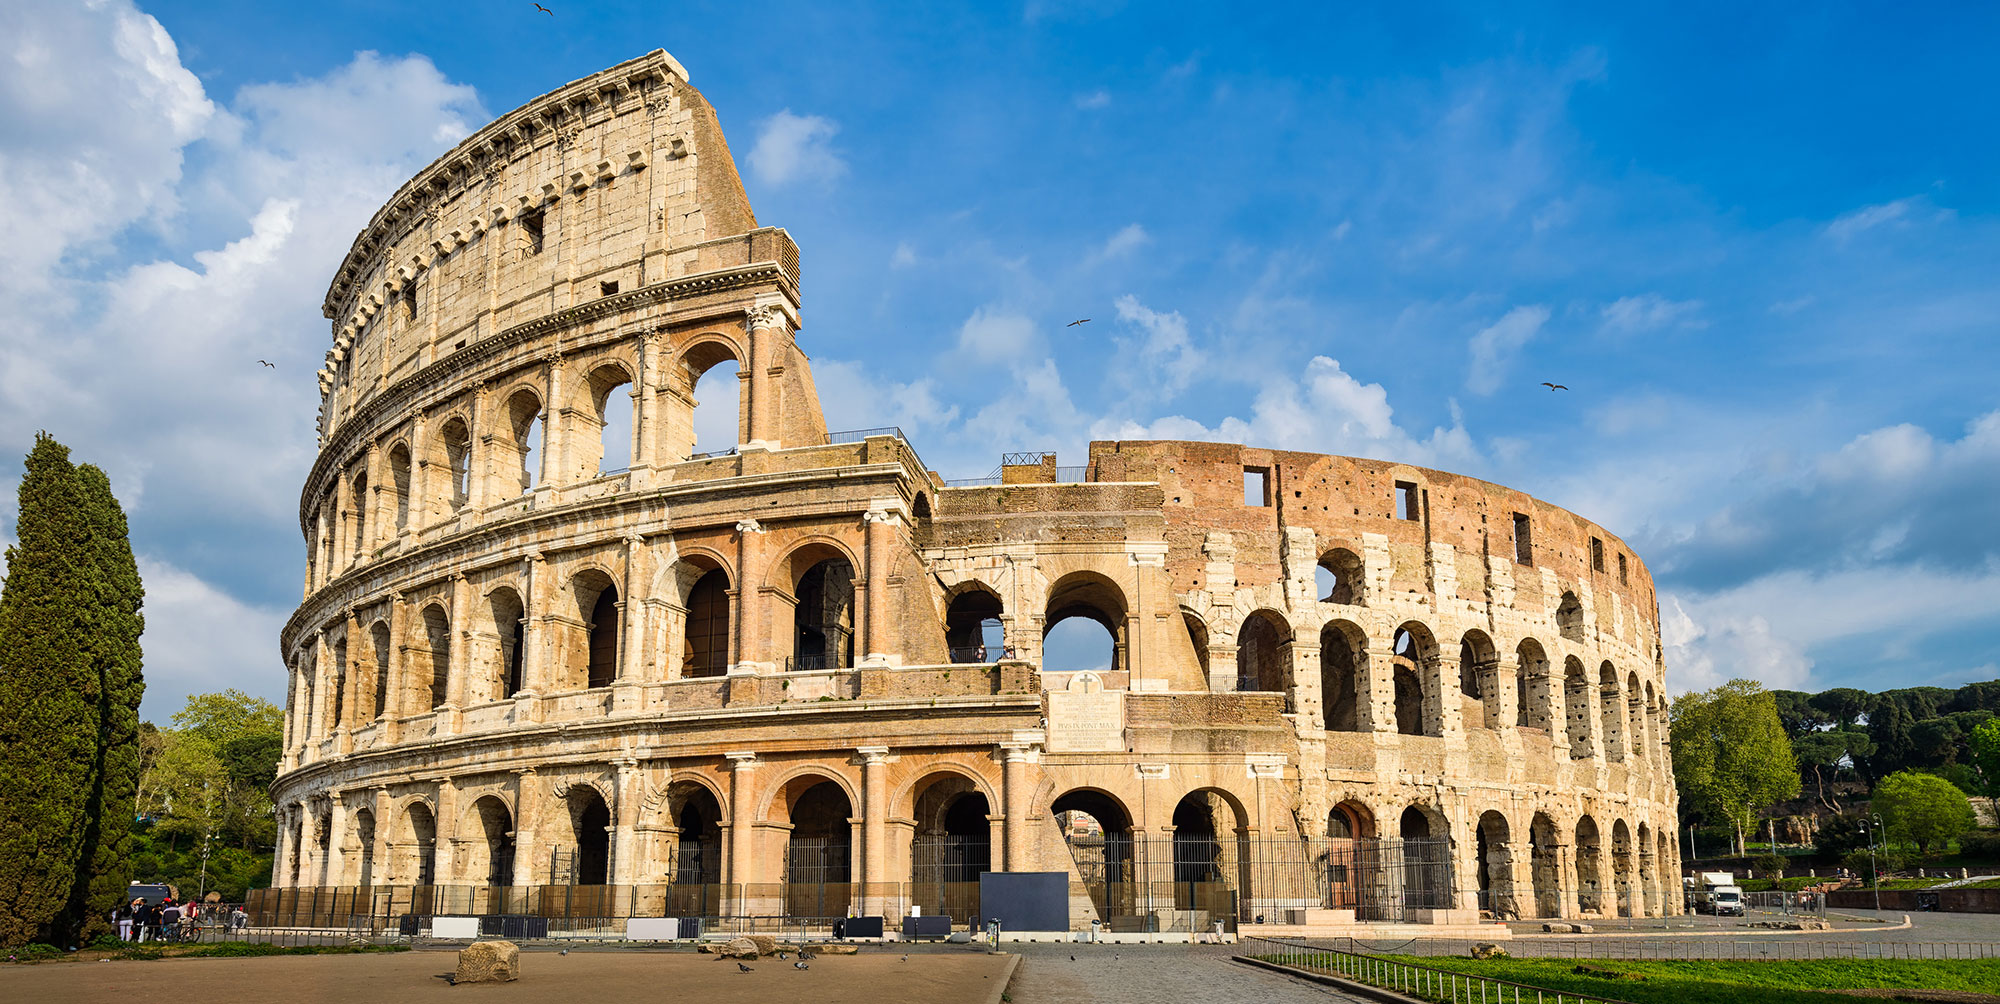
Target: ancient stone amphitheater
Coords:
[[551, 660]]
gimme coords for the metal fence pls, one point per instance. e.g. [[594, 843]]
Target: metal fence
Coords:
[[860, 435], [1408, 978], [1685, 948]]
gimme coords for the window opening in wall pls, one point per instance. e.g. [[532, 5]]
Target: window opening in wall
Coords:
[[607, 289], [437, 634], [339, 684], [379, 634], [1596, 555], [602, 667], [707, 636], [406, 302], [614, 435], [531, 231], [717, 394], [361, 502], [972, 629], [1256, 486], [1407, 506], [1338, 576], [1569, 617], [1621, 570], [1524, 545], [823, 621], [399, 478], [1262, 654], [457, 444]]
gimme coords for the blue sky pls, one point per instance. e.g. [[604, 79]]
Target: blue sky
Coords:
[[1760, 246]]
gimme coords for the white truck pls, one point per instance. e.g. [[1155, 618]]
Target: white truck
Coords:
[[1714, 892]]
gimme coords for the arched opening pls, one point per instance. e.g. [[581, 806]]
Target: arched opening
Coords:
[[705, 649], [490, 852], [1342, 649], [972, 627], [358, 538], [506, 676], [823, 619], [1264, 654], [1545, 862], [1209, 857], [694, 854], [1495, 857], [1611, 708], [1084, 627], [716, 385], [1589, 867], [1098, 831], [379, 636], [455, 447], [1426, 861], [1415, 679], [611, 396], [1197, 632], [1479, 681], [1338, 577], [1656, 723], [1635, 717], [437, 636], [525, 435], [589, 860], [1577, 705], [1622, 871], [340, 683], [1569, 617], [323, 838], [1533, 706], [1664, 865], [602, 623], [950, 846], [819, 853], [1353, 861], [1649, 884], [364, 840], [399, 481], [920, 509], [413, 853]]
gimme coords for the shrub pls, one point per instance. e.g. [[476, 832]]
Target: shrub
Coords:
[[1771, 866], [35, 953], [1984, 844]]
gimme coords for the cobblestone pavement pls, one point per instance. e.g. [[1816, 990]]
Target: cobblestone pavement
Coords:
[[1152, 974]]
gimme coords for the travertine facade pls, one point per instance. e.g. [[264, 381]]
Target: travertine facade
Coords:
[[775, 672]]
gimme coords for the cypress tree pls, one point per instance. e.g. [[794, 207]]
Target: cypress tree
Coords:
[[112, 610], [49, 695]]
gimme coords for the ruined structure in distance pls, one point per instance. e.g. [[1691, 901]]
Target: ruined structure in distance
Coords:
[[805, 678]]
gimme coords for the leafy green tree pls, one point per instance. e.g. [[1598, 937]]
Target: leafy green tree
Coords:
[[112, 606], [1844, 706], [1731, 755], [49, 699], [1923, 809], [1985, 757], [1797, 713], [1889, 725], [1831, 752], [246, 736]]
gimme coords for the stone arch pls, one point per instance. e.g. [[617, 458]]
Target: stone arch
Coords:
[[364, 843], [1343, 658], [506, 659], [1649, 876], [488, 841], [1545, 864], [904, 801], [453, 454], [380, 651], [819, 851], [1479, 680], [1197, 633], [341, 710], [1414, 656], [399, 483], [1340, 577], [359, 524], [689, 816], [1569, 617], [704, 588], [1425, 846], [589, 818], [413, 845], [588, 638], [700, 354], [1097, 830], [1666, 866], [437, 644], [1494, 859], [515, 465], [1635, 718], [1352, 859], [1534, 692], [1264, 653], [1589, 866], [973, 629], [816, 583], [1656, 723], [1093, 596], [1210, 852], [920, 509], [1580, 707], [1623, 872], [609, 431], [787, 787], [951, 843], [1611, 711]]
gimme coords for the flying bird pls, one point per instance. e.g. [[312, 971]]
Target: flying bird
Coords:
[[1073, 324], [270, 365], [743, 967], [1553, 387], [545, 10]]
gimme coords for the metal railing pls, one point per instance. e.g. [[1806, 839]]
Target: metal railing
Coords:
[[1409, 978], [860, 435], [972, 482], [1669, 948]]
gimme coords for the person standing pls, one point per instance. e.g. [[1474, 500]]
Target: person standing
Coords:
[[123, 918]]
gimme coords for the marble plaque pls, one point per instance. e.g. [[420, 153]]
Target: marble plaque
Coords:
[[1086, 718]]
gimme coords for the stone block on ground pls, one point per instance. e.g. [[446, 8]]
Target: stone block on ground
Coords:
[[738, 948], [1488, 950], [488, 962], [835, 949], [766, 945]]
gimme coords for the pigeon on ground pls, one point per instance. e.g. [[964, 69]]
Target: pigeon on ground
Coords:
[[799, 965], [782, 956], [742, 967], [906, 958], [563, 952]]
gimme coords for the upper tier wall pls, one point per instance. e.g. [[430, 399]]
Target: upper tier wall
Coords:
[[1346, 499], [605, 185]]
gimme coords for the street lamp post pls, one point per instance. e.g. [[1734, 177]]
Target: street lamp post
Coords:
[[1874, 875]]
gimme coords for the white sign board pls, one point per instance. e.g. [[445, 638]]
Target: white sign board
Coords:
[[1086, 718]]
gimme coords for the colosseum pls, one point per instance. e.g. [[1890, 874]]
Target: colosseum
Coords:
[[551, 661]]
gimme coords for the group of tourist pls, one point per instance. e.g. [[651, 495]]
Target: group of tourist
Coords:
[[166, 920]]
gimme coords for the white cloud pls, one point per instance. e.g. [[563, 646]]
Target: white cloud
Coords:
[[200, 639], [991, 335], [1162, 363], [853, 398], [1129, 238], [1726, 645], [793, 147], [904, 256], [1868, 218], [1495, 346], [1633, 315], [1093, 100]]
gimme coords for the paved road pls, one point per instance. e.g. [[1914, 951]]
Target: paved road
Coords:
[[1153, 974]]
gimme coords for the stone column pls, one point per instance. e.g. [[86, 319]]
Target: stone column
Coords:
[[1506, 675], [381, 526], [625, 692], [334, 868], [747, 606], [397, 704], [527, 815], [450, 721], [625, 822], [1014, 794], [420, 482], [874, 829], [1375, 690], [443, 867], [555, 441], [324, 675], [480, 448], [378, 855], [287, 849], [879, 526], [645, 412], [766, 325], [742, 864], [358, 711], [308, 851], [534, 661]]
